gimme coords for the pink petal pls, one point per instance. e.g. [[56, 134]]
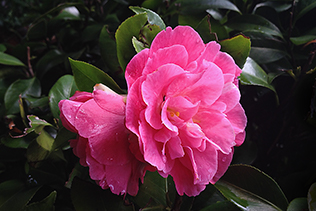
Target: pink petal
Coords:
[[183, 35], [185, 108], [68, 110], [79, 146], [153, 89], [230, 96], [110, 102], [81, 96], [209, 53], [135, 67], [238, 119], [175, 54], [224, 161], [226, 63], [96, 169], [175, 149], [217, 129], [134, 106]]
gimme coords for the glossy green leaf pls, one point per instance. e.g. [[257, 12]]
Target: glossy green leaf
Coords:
[[7, 59], [87, 76], [197, 6], [153, 191], [51, 59], [64, 88], [298, 204], [46, 204], [264, 55], [23, 87], [36, 124], [254, 23], [279, 6], [138, 45], [152, 17], [303, 39], [238, 47], [311, 197], [18, 142], [221, 206], [251, 189], [14, 195], [124, 34], [108, 50], [307, 6], [88, 196], [253, 74]]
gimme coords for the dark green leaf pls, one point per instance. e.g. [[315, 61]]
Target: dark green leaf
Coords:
[[87, 196], [153, 191], [238, 47], [2, 48], [14, 196], [251, 189], [198, 6], [18, 142], [307, 6], [311, 197], [64, 88], [46, 204], [298, 204], [221, 206], [303, 39], [253, 74], [264, 55], [153, 18], [127, 30], [7, 59], [23, 87], [87, 76], [254, 23], [278, 6], [62, 138], [108, 50]]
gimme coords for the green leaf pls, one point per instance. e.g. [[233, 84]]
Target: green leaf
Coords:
[[64, 88], [7, 59], [23, 87], [251, 189], [238, 47], [264, 55], [108, 50], [17, 142], [87, 196], [152, 17], [148, 33], [221, 206], [254, 23], [308, 6], [87, 75], [124, 34], [311, 197], [62, 138], [14, 195], [198, 6], [298, 204], [3, 48], [253, 74], [153, 191], [138, 45], [46, 204], [36, 124], [303, 39]]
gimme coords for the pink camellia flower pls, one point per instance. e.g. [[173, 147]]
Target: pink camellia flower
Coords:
[[183, 104], [103, 143]]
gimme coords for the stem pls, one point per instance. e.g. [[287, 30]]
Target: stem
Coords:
[[29, 61]]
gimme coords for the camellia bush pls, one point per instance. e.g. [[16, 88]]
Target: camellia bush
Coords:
[[157, 105]]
